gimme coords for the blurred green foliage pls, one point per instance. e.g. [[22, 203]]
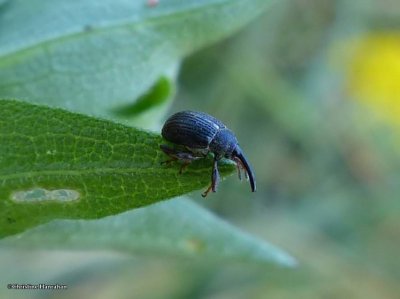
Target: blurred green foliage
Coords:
[[326, 164]]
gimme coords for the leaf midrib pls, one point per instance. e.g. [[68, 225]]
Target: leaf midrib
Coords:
[[119, 170]]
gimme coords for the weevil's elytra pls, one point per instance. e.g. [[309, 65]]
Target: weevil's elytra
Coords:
[[201, 134]]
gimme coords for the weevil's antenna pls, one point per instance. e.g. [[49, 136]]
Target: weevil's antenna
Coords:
[[239, 154]]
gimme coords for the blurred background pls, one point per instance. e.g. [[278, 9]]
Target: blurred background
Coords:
[[312, 90]]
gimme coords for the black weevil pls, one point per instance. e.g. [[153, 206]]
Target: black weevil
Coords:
[[198, 134]]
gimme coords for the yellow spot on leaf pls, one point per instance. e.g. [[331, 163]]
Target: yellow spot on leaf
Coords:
[[195, 245]]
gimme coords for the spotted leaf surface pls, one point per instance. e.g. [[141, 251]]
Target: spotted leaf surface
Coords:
[[58, 164]]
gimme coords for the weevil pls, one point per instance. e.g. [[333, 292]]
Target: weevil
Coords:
[[196, 134]]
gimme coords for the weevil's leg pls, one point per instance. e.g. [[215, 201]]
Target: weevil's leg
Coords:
[[215, 176], [184, 166], [198, 153], [205, 193], [178, 155], [214, 179], [169, 151]]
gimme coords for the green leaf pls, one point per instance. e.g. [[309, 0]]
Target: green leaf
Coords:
[[58, 164], [2, 2], [149, 109], [177, 228], [154, 97], [95, 57]]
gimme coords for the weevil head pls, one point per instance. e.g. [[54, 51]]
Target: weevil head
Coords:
[[223, 144], [237, 152]]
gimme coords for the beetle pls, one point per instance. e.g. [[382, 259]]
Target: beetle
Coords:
[[195, 135]]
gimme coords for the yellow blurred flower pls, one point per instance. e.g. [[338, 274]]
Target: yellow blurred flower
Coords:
[[373, 73]]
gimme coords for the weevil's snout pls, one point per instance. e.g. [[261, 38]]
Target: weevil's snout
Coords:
[[239, 154]]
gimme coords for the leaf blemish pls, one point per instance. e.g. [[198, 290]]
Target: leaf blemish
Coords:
[[40, 194], [195, 245]]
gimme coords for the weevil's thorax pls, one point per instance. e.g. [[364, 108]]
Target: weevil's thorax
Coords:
[[223, 144]]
